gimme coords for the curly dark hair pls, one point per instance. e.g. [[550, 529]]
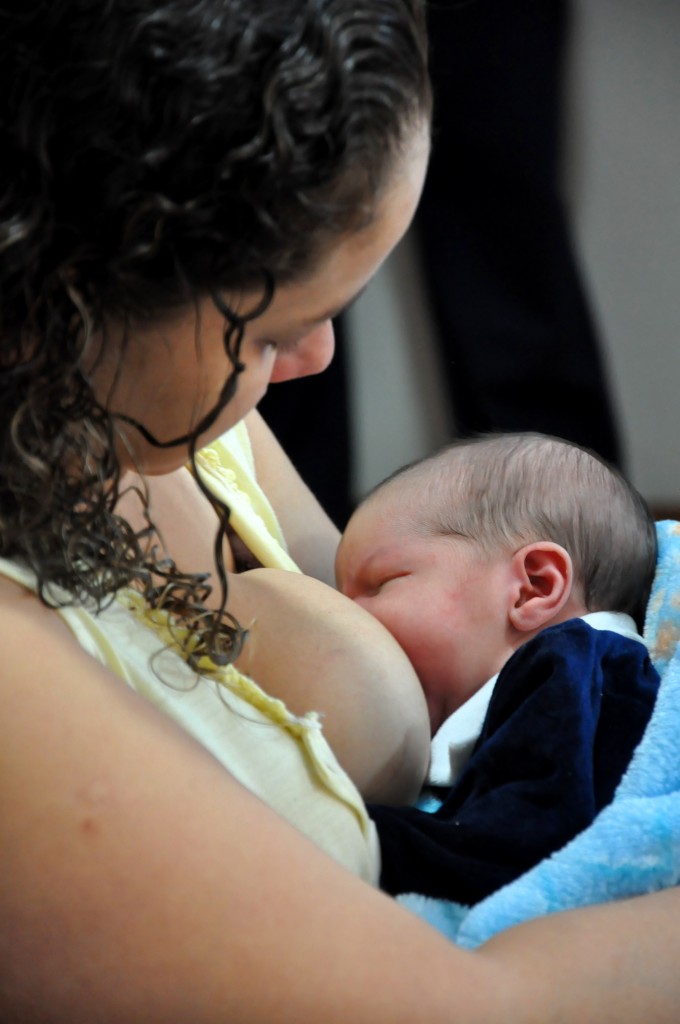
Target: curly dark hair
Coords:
[[155, 152]]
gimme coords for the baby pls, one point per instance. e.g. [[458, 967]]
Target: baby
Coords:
[[526, 556]]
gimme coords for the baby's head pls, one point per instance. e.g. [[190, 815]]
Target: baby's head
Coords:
[[469, 553]]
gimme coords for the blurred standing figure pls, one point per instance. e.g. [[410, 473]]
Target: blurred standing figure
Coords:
[[518, 344]]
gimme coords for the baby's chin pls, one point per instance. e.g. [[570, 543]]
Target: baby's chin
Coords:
[[440, 707]]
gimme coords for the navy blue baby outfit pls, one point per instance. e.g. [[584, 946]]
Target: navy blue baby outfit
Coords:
[[566, 714]]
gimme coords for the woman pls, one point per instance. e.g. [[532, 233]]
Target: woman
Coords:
[[190, 190]]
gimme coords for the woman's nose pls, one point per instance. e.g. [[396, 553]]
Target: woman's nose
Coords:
[[311, 355]]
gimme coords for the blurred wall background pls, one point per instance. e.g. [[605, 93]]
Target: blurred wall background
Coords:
[[623, 178]]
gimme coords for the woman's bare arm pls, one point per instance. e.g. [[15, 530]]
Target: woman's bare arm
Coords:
[[139, 882], [311, 536], [609, 964]]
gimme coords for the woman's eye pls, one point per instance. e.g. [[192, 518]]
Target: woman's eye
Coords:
[[282, 345]]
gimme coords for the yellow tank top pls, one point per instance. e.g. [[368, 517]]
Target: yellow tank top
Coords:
[[282, 758]]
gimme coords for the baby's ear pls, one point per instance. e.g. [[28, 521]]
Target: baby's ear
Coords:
[[543, 575]]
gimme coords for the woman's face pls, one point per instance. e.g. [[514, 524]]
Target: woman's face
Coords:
[[171, 376]]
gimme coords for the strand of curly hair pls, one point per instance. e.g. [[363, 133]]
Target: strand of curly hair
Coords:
[[156, 152]]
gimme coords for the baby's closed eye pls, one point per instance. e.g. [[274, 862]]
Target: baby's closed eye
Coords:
[[381, 582]]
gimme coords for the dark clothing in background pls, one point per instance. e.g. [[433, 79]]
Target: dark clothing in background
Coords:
[[518, 350]]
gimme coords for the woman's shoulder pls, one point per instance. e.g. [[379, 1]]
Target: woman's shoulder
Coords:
[[41, 655], [45, 676], [25, 618]]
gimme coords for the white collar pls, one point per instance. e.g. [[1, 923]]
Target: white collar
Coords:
[[453, 742]]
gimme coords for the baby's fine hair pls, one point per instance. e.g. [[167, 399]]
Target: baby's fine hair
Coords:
[[501, 490]]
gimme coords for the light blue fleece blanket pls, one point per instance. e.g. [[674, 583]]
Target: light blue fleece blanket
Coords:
[[633, 846]]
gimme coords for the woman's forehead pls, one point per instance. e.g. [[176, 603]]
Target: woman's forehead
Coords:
[[350, 260]]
